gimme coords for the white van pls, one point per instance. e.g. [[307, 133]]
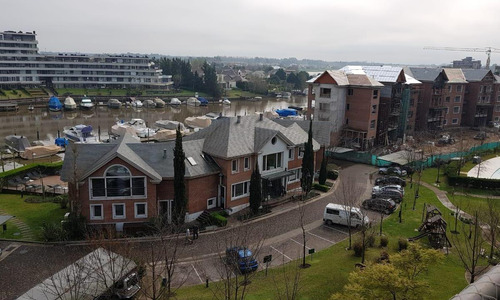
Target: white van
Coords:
[[337, 214]]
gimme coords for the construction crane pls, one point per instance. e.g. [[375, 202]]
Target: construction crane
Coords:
[[487, 50]]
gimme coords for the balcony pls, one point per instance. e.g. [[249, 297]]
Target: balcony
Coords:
[[481, 115]]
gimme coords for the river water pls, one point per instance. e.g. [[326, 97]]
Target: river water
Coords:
[[47, 124]]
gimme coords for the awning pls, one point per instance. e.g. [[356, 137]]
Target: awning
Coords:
[[4, 219], [277, 175]]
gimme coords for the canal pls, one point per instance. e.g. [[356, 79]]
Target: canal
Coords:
[[47, 124]]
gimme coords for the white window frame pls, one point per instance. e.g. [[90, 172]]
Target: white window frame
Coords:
[[92, 212], [454, 121], [131, 177], [124, 211], [245, 193], [214, 199], [447, 110], [145, 210], [279, 162], [298, 174], [291, 153], [232, 166], [455, 111], [459, 88], [246, 163], [459, 99], [301, 152]]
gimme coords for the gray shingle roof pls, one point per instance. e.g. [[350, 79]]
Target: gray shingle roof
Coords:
[[321, 129], [423, 74], [475, 74]]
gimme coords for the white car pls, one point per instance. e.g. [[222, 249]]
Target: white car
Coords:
[[338, 214], [378, 189]]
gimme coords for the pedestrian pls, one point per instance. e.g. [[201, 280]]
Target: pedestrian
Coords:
[[195, 232], [22, 193], [188, 234]]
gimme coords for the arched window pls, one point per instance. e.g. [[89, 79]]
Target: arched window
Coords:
[[118, 182]]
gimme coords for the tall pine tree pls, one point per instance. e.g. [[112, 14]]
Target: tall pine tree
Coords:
[[180, 200], [308, 163], [255, 190]]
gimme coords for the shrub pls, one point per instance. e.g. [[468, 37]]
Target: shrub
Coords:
[[384, 241], [384, 257], [357, 247], [402, 244], [332, 174], [75, 227], [370, 239], [53, 232], [320, 187], [217, 219]]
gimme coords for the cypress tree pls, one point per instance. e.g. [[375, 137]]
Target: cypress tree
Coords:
[[322, 171], [308, 163], [180, 200], [255, 190]]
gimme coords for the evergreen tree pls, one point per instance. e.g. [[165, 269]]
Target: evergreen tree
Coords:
[[308, 163], [180, 200], [322, 171], [281, 74], [255, 190]]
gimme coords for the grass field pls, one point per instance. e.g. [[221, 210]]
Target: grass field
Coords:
[[9, 233], [32, 214], [330, 268]]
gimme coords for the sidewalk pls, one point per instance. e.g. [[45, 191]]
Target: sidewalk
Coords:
[[443, 198]]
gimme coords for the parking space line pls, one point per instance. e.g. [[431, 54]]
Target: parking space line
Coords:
[[196, 271], [320, 237], [338, 230], [299, 243], [280, 252]]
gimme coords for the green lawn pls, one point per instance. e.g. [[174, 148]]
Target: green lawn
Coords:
[[13, 94], [9, 233], [33, 214], [330, 267], [237, 93]]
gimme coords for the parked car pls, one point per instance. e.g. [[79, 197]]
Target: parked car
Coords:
[[241, 258], [338, 214], [395, 187], [392, 171], [390, 180], [391, 194], [383, 205], [446, 139]]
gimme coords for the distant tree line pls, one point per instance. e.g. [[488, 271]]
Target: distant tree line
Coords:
[[184, 77]]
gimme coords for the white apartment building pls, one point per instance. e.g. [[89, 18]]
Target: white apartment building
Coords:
[[22, 64]]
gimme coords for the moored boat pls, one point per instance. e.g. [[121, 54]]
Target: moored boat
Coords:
[[198, 122], [192, 101], [226, 102], [203, 101], [136, 103], [80, 134], [17, 143], [54, 104], [175, 102], [69, 103], [149, 103], [137, 126], [159, 103], [86, 104], [40, 151], [114, 103], [169, 124]]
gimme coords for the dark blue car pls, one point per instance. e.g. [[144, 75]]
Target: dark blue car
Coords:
[[242, 258]]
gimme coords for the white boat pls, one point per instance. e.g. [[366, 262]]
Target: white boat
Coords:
[[136, 103], [159, 103], [137, 126], [192, 101], [165, 135], [175, 101], [80, 134], [149, 103], [86, 104], [69, 103], [169, 124], [226, 102], [114, 103], [286, 95], [198, 122], [40, 151]]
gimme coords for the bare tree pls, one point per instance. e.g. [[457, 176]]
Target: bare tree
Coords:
[[349, 195], [235, 271], [302, 213], [491, 217], [286, 281], [468, 245]]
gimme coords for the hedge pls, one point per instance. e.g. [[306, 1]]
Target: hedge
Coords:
[[320, 187], [49, 168], [217, 219], [478, 183]]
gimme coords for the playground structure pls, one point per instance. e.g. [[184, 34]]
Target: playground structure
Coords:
[[434, 227]]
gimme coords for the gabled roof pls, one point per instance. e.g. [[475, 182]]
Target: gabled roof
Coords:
[[454, 75], [388, 74], [411, 80], [338, 76], [341, 78], [474, 75], [321, 129], [423, 74], [363, 80]]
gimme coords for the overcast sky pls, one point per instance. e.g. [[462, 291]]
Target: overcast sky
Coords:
[[386, 31]]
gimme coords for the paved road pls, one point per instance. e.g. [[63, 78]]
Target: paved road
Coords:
[[280, 235]]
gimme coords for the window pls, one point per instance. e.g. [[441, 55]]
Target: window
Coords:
[[347, 121], [350, 92], [118, 182], [297, 174], [290, 153], [375, 94], [412, 102], [372, 124], [301, 152], [447, 99], [497, 118], [445, 121], [497, 108], [457, 99], [456, 109], [324, 106], [96, 212], [348, 106], [454, 121], [272, 161], [332, 211], [325, 93], [449, 89], [447, 110], [498, 98], [481, 89], [141, 210], [459, 88], [239, 190], [247, 163], [118, 211], [374, 109], [234, 166]]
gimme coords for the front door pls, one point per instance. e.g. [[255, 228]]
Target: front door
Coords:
[[165, 210], [222, 196]]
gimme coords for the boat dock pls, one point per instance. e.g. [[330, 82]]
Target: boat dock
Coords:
[[9, 106]]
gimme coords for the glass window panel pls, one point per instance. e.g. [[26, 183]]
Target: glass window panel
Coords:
[[118, 187], [117, 171], [138, 187], [98, 187]]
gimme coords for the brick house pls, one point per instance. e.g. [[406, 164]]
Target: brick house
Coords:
[[479, 98], [126, 183]]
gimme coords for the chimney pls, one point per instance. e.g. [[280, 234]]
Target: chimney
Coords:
[[238, 119], [164, 153], [261, 116]]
